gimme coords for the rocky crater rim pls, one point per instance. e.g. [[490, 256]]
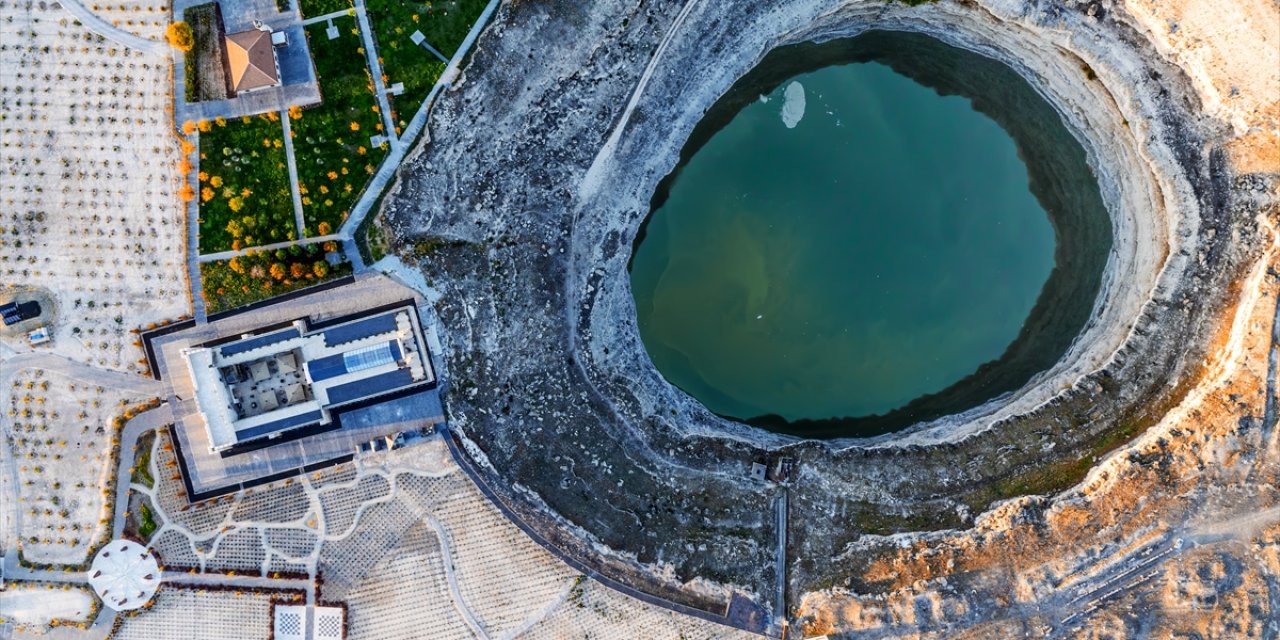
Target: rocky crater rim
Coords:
[[1060, 179], [525, 222], [1097, 88]]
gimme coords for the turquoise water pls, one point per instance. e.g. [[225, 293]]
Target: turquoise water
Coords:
[[881, 250]]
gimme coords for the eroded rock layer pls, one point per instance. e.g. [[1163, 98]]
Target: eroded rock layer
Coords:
[[523, 207]]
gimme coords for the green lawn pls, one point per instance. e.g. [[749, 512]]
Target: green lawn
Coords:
[[244, 184], [147, 524], [239, 281], [312, 8], [331, 141], [142, 462], [445, 25]]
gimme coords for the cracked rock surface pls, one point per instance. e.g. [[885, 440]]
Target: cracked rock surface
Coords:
[[522, 207]]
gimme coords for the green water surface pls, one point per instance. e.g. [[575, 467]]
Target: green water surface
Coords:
[[881, 250]]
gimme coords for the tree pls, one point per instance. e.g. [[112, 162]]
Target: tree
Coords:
[[295, 112], [186, 193], [320, 268], [180, 37], [297, 270], [277, 271], [325, 228]]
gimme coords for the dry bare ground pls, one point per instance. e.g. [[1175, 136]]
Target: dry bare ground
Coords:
[[87, 179]]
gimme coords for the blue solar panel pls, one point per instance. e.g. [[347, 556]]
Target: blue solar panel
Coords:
[[259, 341], [327, 367], [360, 329], [369, 357], [371, 386], [279, 425]]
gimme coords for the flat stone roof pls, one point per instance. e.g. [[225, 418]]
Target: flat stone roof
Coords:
[[271, 381], [207, 472]]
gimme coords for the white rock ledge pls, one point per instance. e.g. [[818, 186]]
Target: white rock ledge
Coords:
[[538, 175]]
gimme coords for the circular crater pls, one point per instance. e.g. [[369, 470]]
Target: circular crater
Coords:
[[532, 225], [852, 243]]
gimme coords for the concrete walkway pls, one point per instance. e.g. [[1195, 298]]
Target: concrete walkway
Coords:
[[227, 255], [149, 420], [325, 17], [298, 218], [374, 189], [244, 582], [375, 69], [119, 380], [194, 281], [96, 24], [780, 567], [434, 51]]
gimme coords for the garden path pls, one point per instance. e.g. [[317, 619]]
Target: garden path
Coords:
[[323, 18], [375, 70], [379, 182], [193, 227], [227, 255], [96, 24], [298, 219], [436, 52]]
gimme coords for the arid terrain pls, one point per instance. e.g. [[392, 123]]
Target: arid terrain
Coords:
[[1067, 498], [1130, 491]]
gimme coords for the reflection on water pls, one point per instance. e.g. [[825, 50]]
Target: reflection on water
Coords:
[[881, 250]]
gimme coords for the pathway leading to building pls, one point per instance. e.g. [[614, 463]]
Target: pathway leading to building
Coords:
[[298, 219], [98, 25], [373, 191], [193, 234], [379, 87], [324, 18], [227, 255]]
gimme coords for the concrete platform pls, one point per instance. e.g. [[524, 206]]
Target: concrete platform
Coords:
[[208, 473]]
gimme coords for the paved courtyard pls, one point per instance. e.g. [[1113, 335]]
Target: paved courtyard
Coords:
[[208, 473]]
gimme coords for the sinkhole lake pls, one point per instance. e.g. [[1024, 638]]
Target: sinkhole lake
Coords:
[[844, 243]]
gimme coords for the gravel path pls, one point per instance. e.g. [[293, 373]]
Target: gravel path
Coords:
[[92, 22]]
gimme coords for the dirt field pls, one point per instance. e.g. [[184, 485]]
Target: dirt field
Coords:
[[206, 72]]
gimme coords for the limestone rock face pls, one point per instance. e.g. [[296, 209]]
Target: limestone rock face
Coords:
[[522, 208]]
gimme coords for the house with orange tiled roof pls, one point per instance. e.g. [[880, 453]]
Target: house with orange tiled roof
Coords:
[[251, 57]]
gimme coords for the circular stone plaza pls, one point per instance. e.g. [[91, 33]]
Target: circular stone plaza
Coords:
[[125, 575]]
